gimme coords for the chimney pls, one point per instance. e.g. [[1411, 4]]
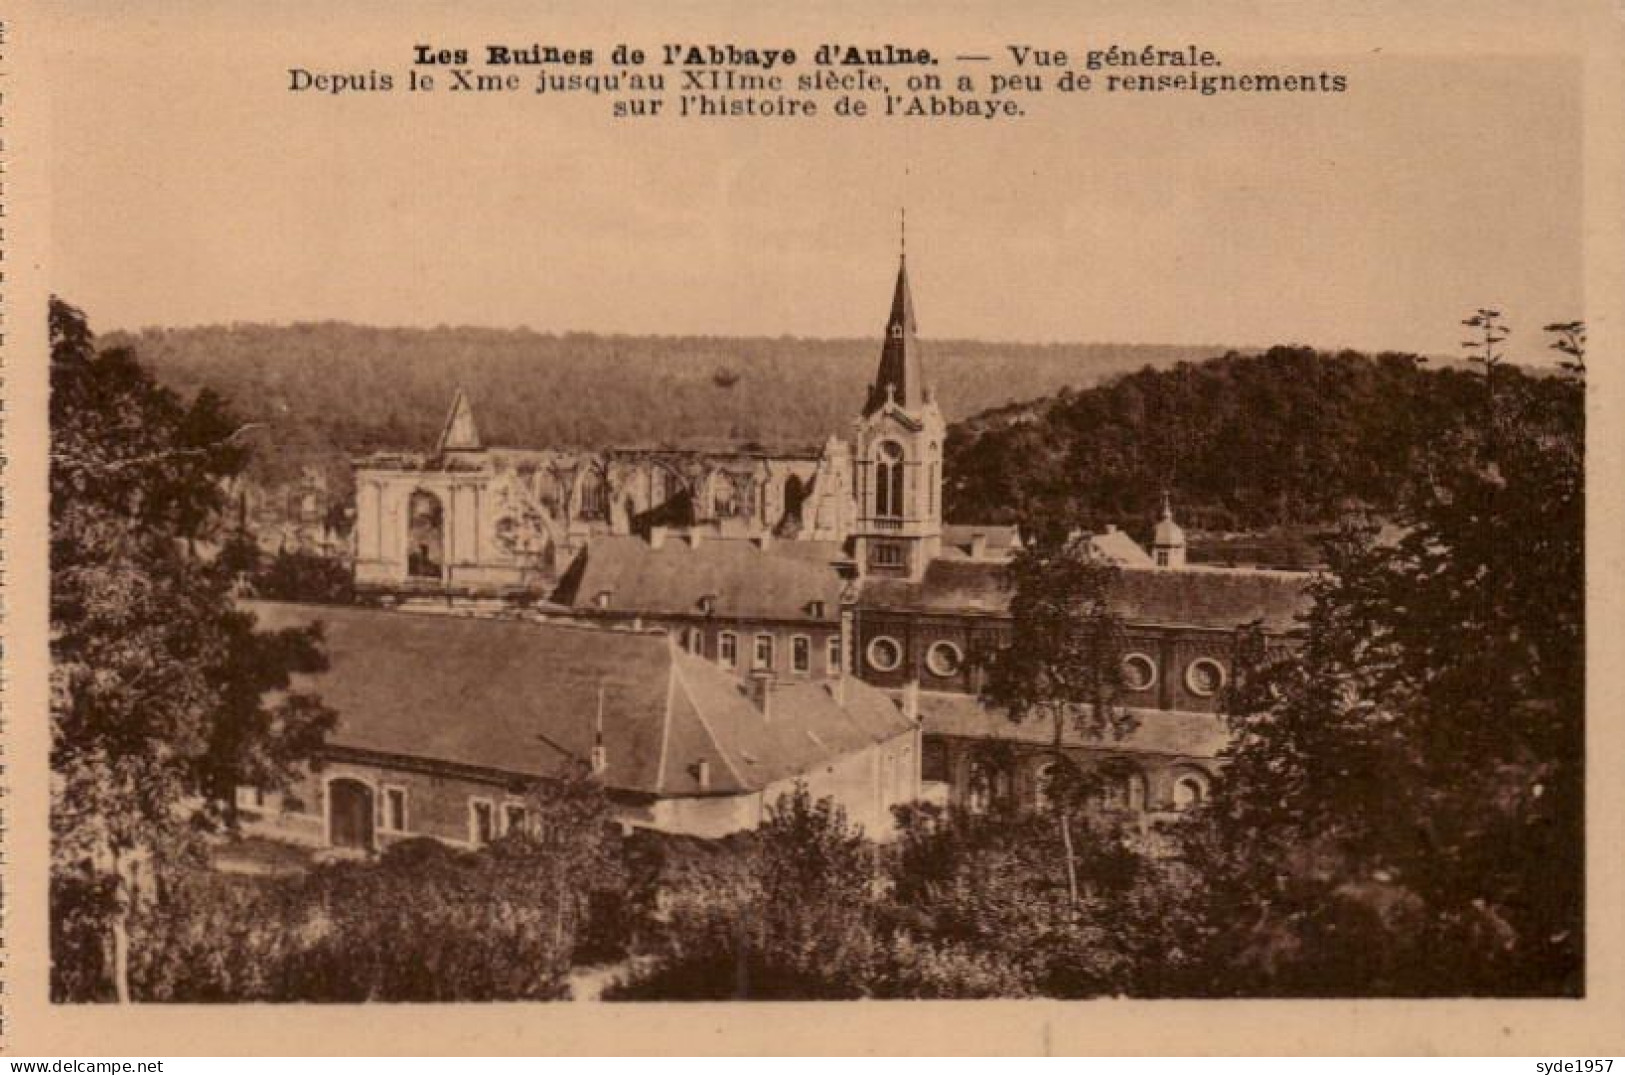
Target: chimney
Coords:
[[764, 540], [600, 758], [693, 537], [1111, 528], [978, 546], [760, 689], [657, 537], [911, 701], [702, 773]]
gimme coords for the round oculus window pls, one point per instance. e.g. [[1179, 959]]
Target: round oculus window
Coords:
[[944, 659], [885, 654], [1204, 677], [1139, 672]]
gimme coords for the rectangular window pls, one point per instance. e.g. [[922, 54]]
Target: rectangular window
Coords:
[[395, 809], [832, 654], [481, 821], [696, 641], [513, 818], [885, 554], [764, 652], [801, 653], [727, 649]]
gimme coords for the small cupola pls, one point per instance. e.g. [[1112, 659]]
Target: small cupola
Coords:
[[1168, 540]]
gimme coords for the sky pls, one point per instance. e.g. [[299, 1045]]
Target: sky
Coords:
[[190, 187]]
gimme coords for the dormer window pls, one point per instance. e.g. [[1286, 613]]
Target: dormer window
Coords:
[[603, 598], [815, 610], [708, 604]]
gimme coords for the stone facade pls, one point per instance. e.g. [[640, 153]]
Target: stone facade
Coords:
[[445, 722], [469, 520]]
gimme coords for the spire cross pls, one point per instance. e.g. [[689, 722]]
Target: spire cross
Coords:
[[902, 232]]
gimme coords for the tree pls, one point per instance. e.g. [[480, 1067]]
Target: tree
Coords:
[[158, 681], [1402, 810], [1569, 339], [1485, 348], [1061, 663], [787, 913]]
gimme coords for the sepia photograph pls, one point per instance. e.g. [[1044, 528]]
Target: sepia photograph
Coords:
[[895, 504]]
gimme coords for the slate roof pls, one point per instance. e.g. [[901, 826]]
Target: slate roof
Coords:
[[1120, 549], [1190, 735], [1001, 540], [1190, 596], [522, 698], [901, 376], [748, 582]]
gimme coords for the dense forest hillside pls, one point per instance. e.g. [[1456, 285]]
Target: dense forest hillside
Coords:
[[361, 387], [1287, 438], [1280, 441]]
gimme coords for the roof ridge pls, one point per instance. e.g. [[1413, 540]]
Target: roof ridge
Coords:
[[665, 721], [710, 733]]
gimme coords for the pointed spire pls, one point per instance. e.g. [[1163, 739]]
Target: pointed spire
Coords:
[[902, 374], [459, 433]]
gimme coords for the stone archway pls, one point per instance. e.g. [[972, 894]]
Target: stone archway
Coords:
[[425, 535]]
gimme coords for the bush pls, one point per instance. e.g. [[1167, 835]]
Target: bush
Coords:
[[424, 924]]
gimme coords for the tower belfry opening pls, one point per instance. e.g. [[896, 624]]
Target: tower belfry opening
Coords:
[[898, 447]]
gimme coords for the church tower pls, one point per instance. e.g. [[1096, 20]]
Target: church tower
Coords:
[[898, 454]]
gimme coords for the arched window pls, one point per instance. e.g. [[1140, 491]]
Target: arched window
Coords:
[[1055, 781], [989, 787], [594, 502], [1190, 789], [889, 481], [1135, 783], [795, 494], [426, 536], [724, 497]]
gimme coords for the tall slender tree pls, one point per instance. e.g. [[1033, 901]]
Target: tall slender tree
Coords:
[[1062, 662]]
